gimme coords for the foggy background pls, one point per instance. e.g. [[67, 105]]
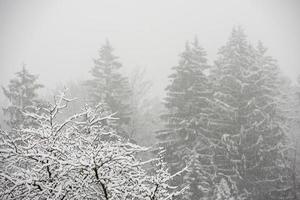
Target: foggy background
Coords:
[[215, 116], [58, 39]]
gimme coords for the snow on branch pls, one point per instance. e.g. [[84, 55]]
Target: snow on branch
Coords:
[[81, 158]]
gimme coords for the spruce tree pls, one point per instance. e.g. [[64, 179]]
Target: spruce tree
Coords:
[[187, 105], [108, 86], [251, 153], [295, 136], [21, 93]]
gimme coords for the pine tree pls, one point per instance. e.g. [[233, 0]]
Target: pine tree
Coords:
[[22, 94], [296, 138], [187, 104], [251, 152], [290, 105], [108, 86]]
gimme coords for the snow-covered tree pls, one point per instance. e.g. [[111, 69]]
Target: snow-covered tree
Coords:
[[75, 89], [160, 178], [76, 159], [187, 103], [109, 86], [21, 93], [293, 104], [251, 152]]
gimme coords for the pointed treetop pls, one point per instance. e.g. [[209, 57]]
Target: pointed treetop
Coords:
[[21, 93], [106, 46], [237, 46], [237, 37], [24, 76], [106, 52], [196, 41], [107, 43], [24, 67], [23, 71], [238, 31], [187, 46], [261, 48]]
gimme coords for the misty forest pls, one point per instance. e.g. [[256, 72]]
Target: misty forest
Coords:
[[223, 129]]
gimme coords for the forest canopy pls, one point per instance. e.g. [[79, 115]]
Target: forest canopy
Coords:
[[225, 130]]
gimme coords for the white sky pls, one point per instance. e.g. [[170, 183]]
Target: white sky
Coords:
[[58, 38]]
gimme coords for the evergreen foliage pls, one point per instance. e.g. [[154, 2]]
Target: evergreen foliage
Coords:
[[187, 104], [21, 93], [248, 122], [228, 126], [108, 86]]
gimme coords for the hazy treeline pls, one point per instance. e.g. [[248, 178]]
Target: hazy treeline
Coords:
[[225, 130]]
